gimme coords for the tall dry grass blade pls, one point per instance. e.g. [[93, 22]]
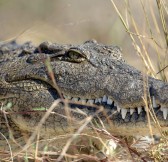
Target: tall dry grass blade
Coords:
[[162, 17], [147, 62]]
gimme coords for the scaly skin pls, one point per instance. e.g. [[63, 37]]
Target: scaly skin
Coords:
[[90, 72]]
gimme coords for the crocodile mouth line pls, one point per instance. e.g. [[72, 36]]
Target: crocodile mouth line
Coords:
[[106, 100], [161, 111]]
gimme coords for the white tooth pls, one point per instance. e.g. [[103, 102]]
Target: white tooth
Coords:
[[100, 100], [118, 108], [165, 111], [115, 104], [90, 101], [139, 110], [74, 99], [68, 97], [154, 101], [132, 110], [123, 113], [96, 100], [109, 101], [83, 101], [104, 98]]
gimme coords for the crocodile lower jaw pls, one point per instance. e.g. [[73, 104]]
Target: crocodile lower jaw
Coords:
[[106, 100]]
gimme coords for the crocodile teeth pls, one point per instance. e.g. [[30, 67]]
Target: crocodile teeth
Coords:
[[100, 100], [67, 97], [123, 113], [115, 104], [109, 101], [139, 110], [96, 100], [75, 99], [90, 101], [104, 98], [165, 111], [118, 108], [132, 111], [154, 101], [83, 101]]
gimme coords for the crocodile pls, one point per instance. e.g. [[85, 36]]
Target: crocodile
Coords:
[[92, 78]]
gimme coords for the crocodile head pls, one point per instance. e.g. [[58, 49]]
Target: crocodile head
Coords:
[[94, 73]]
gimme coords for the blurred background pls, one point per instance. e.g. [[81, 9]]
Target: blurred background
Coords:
[[75, 21]]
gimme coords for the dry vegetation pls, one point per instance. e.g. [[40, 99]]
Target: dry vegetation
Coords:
[[125, 149]]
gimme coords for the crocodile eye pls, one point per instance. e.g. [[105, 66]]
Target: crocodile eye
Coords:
[[75, 56]]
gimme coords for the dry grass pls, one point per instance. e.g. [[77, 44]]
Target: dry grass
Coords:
[[157, 152], [92, 147]]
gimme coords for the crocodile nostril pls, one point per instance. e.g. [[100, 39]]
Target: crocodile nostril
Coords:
[[36, 58]]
